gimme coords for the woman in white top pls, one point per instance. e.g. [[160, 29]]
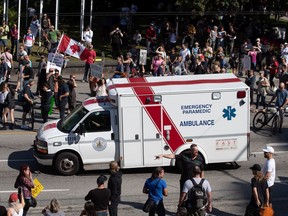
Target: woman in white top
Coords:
[[15, 208], [101, 88]]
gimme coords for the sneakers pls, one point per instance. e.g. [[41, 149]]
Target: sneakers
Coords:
[[24, 127]]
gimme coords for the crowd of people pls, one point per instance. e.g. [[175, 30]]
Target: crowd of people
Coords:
[[195, 197]]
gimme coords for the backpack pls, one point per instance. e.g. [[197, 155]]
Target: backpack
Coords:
[[197, 195], [20, 96]]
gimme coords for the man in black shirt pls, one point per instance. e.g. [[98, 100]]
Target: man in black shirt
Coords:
[[27, 102], [100, 196], [188, 162]]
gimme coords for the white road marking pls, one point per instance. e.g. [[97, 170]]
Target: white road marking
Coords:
[[17, 160], [50, 190]]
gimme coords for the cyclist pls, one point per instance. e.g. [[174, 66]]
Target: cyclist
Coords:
[[281, 96], [27, 102]]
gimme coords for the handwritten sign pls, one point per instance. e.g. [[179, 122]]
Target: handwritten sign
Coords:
[[143, 57], [37, 189], [55, 61], [96, 70]]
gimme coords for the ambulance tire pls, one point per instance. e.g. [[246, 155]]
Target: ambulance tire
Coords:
[[67, 163]]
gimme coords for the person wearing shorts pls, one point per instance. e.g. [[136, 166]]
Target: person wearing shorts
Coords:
[[27, 102]]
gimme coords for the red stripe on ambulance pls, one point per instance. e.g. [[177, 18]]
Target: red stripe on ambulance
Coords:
[[141, 93], [138, 82], [49, 126]]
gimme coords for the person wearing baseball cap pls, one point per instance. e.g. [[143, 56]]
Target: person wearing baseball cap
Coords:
[[15, 207], [259, 192], [100, 196], [269, 168]]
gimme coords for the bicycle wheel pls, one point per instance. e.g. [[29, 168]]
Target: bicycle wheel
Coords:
[[259, 120], [275, 124], [42, 50]]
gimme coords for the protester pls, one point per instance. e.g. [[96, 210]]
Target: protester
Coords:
[[9, 106], [156, 188], [53, 209], [14, 40], [27, 102], [260, 192], [89, 209], [114, 184], [188, 162], [9, 61], [28, 41], [3, 70], [90, 60], [46, 23], [28, 72], [250, 81], [101, 87], [262, 91], [100, 196], [46, 97], [196, 207], [15, 207], [269, 168], [72, 93], [4, 36], [63, 96], [53, 36], [25, 182], [35, 26], [87, 36], [116, 42]]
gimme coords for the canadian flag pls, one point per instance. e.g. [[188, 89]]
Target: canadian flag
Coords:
[[73, 48]]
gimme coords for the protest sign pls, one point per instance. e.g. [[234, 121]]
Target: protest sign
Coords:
[[37, 189]]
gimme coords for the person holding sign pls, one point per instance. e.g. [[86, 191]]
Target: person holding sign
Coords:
[[25, 183]]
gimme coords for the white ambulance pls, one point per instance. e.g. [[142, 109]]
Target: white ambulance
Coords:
[[144, 117]]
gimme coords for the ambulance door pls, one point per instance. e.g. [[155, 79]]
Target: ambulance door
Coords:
[[132, 137], [152, 134], [97, 144]]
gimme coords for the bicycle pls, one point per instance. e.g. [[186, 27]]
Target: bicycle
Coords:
[[43, 50], [263, 118]]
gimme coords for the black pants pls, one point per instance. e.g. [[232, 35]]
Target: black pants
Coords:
[[62, 106], [87, 68], [157, 208], [113, 208], [44, 112]]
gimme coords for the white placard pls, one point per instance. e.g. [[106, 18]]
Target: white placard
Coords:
[[55, 61], [96, 70], [143, 57]]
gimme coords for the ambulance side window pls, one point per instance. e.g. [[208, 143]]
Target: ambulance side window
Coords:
[[98, 121]]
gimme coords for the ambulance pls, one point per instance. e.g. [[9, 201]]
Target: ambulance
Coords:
[[147, 116]]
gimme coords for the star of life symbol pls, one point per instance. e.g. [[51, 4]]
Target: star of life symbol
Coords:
[[75, 48], [229, 113]]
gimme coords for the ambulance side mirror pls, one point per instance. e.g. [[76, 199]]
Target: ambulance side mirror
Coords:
[[81, 128]]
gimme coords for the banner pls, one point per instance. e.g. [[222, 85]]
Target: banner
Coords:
[[37, 189]]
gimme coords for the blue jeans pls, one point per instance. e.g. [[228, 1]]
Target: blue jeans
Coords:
[[102, 213]]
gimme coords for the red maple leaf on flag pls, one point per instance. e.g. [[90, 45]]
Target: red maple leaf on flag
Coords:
[[75, 48]]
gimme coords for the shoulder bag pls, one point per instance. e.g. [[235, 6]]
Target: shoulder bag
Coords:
[[147, 206]]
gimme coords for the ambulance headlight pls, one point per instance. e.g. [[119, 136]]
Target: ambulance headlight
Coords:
[[157, 98], [216, 96]]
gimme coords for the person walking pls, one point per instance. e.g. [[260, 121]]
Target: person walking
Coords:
[[196, 206], [3, 70], [25, 181], [100, 197], [90, 60], [260, 192], [9, 61], [188, 162], [14, 40], [46, 97], [15, 207], [53, 209], [269, 168], [63, 94], [114, 184], [9, 106], [156, 188], [27, 102]]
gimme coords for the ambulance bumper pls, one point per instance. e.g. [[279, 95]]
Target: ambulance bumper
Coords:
[[44, 159]]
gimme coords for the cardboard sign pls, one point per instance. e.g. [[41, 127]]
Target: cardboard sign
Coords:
[[247, 62], [37, 189], [55, 61], [96, 70], [143, 57]]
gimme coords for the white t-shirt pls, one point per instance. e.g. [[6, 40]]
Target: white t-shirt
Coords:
[[270, 166], [87, 36]]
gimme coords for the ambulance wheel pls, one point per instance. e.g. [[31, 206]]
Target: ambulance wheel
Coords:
[[67, 164]]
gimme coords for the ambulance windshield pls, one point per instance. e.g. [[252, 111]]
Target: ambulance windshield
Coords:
[[72, 119]]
